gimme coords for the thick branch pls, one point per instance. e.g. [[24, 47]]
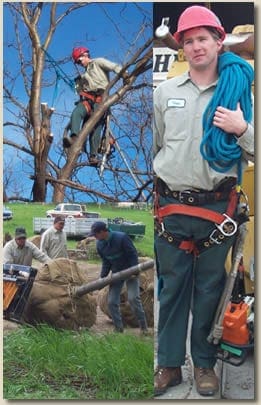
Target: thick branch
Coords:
[[77, 186]]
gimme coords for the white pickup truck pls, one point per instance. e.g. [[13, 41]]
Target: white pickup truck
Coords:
[[69, 210]]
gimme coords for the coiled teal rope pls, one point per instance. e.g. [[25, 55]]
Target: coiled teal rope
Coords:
[[234, 85]]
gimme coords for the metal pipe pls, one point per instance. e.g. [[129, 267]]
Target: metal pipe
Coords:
[[102, 282]]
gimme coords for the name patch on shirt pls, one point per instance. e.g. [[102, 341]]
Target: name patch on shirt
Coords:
[[176, 102]]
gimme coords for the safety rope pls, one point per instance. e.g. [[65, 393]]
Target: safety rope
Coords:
[[60, 75], [234, 85]]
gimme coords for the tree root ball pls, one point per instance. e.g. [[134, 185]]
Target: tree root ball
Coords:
[[51, 300]]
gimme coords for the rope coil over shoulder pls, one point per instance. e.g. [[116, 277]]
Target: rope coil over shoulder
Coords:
[[234, 86]]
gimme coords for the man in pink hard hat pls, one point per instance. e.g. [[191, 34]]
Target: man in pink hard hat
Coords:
[[195, 116]]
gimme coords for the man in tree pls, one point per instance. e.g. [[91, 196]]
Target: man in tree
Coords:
[[90, 86], [118, 253]]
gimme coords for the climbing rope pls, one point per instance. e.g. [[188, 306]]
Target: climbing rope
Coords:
[[234, 85], [60, 75]]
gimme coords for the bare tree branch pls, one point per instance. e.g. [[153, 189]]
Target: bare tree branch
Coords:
[[62, 170]]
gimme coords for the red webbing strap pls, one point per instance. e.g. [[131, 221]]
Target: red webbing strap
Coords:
[[232, 203], [93, 97], [189, 246], [200, 212], [192, 211], [87, 106], [87, 95]]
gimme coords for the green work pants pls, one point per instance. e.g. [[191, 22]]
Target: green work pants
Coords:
[[188, 283], [79, 116]]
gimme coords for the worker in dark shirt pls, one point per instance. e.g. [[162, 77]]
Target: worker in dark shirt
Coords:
[[118, 253]]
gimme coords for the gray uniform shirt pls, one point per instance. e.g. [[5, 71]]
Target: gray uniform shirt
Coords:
[[54, 243], [15, 255], [96, 76], [178, 110]]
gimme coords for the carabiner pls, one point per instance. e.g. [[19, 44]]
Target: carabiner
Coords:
[[228, 223]]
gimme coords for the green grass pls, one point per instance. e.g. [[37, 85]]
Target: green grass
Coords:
[[51, 364], [25, 212]]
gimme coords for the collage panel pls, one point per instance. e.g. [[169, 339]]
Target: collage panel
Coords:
[[78, 258], [203, 159], [128, 201]]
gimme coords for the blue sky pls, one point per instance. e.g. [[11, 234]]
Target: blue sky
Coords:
[[107, 29]]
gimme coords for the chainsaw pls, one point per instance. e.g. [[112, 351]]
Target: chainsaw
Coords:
[[238, 333]]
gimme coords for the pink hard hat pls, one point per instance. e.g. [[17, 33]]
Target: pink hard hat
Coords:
[[198, 16]]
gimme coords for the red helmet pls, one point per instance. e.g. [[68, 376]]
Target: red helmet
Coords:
[[198, 16], [77, 52]]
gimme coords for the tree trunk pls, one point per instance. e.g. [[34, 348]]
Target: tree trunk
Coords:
[[76, 148], [40, 185]]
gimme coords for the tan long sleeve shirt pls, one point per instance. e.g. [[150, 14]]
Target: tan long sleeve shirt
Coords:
[[12, 253], [178, 110], [54, 243], [96, 76]]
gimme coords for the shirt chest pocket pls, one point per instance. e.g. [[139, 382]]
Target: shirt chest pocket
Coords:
[[176, 123]]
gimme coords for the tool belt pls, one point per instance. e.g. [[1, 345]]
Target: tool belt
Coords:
[[88, 99], [200, 197], [225, 226]]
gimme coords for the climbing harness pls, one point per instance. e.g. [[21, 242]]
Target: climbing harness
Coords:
[[234, 86], [88, 99], [225, 224]]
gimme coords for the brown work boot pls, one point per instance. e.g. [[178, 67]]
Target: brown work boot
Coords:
[[166, 377], [206, 381]]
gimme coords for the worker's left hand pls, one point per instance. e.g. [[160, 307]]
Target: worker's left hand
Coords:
[[231, 121]]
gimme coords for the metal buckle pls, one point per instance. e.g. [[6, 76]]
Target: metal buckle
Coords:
[[213, 239], [227, 223], [162, 229], [181, 195]]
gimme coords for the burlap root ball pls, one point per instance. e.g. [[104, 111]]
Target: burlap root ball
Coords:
[[51, 302], [88, 245], [36, 240]]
